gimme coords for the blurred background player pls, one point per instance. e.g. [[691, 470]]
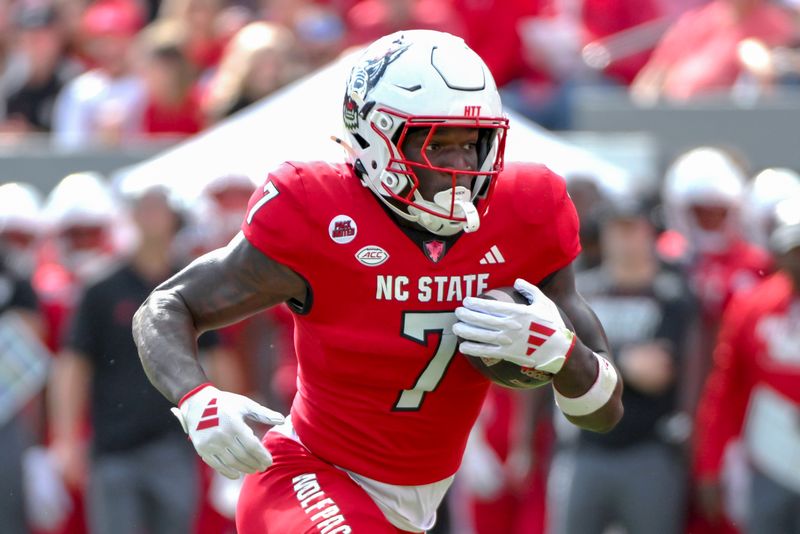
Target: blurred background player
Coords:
[[80, 245], [501, 484], [648, 313], [139, 473], [23, 359], [21, 227], [702, 196], [764, 191], [753, 388], [260, 358]]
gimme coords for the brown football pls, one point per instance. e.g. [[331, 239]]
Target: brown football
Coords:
[[502, 372]]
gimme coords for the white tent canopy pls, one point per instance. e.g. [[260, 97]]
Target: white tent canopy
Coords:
[[297, 122]]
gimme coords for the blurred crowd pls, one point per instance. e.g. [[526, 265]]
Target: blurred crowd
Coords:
[[106, 72], [693, 286]]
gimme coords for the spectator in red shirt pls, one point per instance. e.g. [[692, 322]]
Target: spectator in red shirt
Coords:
[[370, 19], [172, 106], [257, 61], [606, 18], [205, 39], [699, 54]]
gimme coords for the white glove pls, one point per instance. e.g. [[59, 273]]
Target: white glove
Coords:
[[532, 335], [47, 501], [215, 422]]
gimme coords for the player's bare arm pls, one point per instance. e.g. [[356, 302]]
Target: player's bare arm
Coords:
[[581, 369], [217, 289]]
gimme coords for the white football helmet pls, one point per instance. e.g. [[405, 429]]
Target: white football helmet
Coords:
[[80, 199], [786, 234], [20, 207], [423, 79], [764, 192], [83, 201], [20, 226], [704, 176]]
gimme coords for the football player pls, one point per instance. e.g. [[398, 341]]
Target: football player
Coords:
[[753, 393], [382, 260]]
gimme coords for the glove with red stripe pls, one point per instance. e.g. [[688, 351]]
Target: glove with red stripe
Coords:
[[215, 423], [532, 335]]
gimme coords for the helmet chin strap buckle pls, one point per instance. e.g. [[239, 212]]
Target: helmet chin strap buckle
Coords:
[[471, 214]]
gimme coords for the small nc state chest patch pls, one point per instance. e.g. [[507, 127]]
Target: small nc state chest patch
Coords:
[[434, 249]]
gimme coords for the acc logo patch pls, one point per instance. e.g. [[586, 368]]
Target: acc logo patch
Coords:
[[342, 229], [372, 256]]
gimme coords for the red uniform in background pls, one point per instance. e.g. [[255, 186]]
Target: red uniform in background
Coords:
[[516, 425], [754, 387], [382, 391]]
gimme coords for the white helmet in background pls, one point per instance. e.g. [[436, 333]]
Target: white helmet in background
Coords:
[[215, 216], [704, 177], [20, 226], [80, 199], [81, 213], [422, 79], [764, 192], [786, 234]]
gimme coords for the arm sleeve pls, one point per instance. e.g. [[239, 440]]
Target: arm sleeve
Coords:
[[724, 400], [82, 334], [277, 220]]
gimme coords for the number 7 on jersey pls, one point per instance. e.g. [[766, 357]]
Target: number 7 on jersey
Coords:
[[417, 326], [270, 192]]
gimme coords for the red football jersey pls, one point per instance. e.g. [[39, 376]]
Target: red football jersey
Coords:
[[757, 357], [382, 390], [716, 278]]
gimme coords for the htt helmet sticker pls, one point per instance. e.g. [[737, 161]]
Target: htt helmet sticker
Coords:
[[364, 77]]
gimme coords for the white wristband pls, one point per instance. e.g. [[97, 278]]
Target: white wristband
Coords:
[[597, 395]]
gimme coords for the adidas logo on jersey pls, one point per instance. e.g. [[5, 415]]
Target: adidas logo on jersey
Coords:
[[493, 256]]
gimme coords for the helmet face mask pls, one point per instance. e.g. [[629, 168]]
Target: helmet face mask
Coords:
[[427, 80]]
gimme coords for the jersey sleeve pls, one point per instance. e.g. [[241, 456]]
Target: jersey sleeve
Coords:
[[277, 221], [722, 407], [565, 221], [542, 201]]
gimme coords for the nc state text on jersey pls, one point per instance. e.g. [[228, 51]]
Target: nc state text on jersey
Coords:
[[436, 288]]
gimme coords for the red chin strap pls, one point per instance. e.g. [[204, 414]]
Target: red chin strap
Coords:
[[399, 164]]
